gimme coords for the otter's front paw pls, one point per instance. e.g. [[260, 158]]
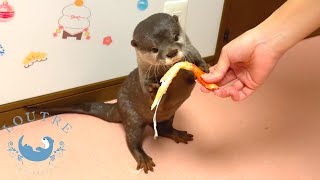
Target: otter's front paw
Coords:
[[153, 88], [204, 67]]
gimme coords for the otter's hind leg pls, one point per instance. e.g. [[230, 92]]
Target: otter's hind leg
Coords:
[[134, 128], [165, 129]]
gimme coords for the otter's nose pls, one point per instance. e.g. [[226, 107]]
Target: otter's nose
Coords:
[[172, 53]]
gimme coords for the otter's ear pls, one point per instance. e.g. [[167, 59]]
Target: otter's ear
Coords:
[[176, 18], [134, 43]]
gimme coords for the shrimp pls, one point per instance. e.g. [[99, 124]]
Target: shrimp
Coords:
[[166, 81]]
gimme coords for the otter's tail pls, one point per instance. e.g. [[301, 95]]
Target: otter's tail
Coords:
[[107, 112]]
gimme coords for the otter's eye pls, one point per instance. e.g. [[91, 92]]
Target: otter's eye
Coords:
[[155, 50], [176, 37]]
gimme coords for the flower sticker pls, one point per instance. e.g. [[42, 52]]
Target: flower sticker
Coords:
[[107, 41]]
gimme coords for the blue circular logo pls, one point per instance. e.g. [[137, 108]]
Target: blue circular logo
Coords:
[[142, 5]]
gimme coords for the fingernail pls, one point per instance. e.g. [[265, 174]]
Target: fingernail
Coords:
[[217, 92], [203, 90], [205, 75]]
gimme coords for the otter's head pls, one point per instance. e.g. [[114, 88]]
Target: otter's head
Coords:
[[159, 40]]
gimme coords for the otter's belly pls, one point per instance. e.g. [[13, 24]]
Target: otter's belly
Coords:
[[179, 90], [131, 98]]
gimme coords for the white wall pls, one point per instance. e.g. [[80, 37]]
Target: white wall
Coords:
[[73, 63]]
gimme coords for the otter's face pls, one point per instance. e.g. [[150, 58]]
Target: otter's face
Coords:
[[159, 40]]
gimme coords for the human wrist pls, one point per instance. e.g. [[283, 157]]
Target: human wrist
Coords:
[[289, 24], [271, 41]]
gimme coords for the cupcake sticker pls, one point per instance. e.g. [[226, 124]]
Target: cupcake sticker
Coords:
[[74, 22], [6, 11]]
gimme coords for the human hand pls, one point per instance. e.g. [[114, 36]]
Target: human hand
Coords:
[[246, 62]]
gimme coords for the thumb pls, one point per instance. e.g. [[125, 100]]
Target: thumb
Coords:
[[218, 71]]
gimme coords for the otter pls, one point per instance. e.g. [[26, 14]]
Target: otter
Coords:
[[159, 42]]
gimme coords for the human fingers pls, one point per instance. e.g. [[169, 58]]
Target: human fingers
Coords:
[[238, 91], [219, 70], [229, 77], [224, 92], [203, 89], [221, 92]]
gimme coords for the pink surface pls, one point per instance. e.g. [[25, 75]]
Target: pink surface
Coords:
[[272, 135]]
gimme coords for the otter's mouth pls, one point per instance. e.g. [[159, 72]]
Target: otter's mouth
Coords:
[[174, 60]]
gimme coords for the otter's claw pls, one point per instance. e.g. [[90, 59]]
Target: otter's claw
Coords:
[[204, 67], [176, 135], [153, 87], [145, 163], [181, 136]]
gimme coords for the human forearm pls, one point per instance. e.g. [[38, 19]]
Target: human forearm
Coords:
[[292, 22]]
